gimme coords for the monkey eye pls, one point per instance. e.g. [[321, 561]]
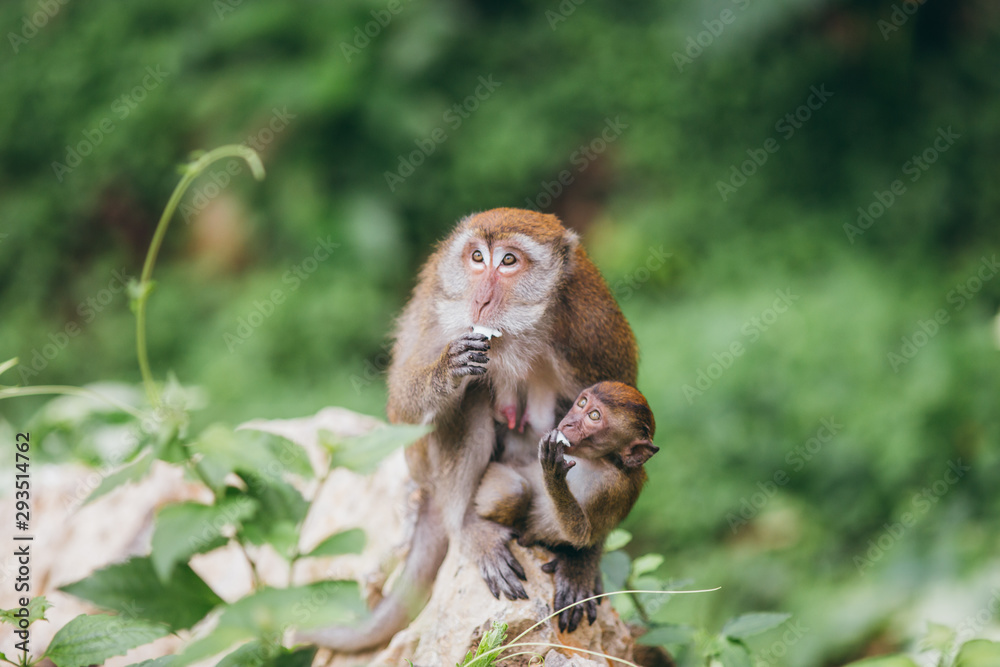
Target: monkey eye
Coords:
[[594, 414], [582, 402], [477, 256], [508, 260]]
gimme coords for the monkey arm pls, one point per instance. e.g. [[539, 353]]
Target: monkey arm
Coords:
[[574, 524], [419, 391], [573, 521]]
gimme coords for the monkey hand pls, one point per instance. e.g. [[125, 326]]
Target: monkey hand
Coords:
[[464, 356], [552, 456], [575, 582], [497, 564]]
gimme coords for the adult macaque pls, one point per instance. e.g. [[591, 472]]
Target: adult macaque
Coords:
[[582, 490], [524, 275]]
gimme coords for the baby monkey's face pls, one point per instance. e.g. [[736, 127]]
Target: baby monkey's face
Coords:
[[589, 426], [610, 418]]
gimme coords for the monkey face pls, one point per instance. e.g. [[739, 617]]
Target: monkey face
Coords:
[[500, 270], [610, 418], [586, 426], [494, 270]]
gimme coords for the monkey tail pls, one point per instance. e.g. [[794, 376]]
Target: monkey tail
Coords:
[[395, 611]]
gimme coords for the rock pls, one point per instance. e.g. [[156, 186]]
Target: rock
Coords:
[[462, 608]]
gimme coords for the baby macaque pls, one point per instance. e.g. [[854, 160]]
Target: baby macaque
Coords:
[[590, 475]]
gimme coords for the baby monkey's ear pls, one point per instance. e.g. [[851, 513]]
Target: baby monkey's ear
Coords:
[[638, 452]]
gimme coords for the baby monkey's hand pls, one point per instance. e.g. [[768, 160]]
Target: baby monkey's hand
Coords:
[[551, 454]]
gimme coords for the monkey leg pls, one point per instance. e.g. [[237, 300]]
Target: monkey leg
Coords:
[[504, 496], [395, 611], [577, 577]]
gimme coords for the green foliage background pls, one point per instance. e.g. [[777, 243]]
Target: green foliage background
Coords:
[[229, 65]]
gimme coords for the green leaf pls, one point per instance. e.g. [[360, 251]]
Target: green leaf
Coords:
[[260, 653], [646, 564], [291, 455], [133, 588], [616, 567], [302, 657], [185, 529], [252, 654], [491, 641], [132, 472], [165, 661], [733, 654], [978, 653], [938, 638], [92, 639], [270, 611], [364, 453], [36, 611], [749, 625], [281, 509], [347, 542], [668, 634], [223, 451], [617, 539], [885, 661]]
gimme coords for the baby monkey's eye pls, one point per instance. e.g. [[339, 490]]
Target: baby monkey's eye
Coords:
[[477, 256], [508, 259], [594, 414], [582, 402]]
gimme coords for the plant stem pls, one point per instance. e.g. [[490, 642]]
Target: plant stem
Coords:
[[191, 172], [68, 390], [643, 616]]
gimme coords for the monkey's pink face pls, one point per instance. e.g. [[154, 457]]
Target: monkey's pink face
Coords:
[[494, 270], [584, 426]]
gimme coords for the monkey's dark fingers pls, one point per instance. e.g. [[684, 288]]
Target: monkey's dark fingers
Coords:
[[565, 465], [462, 371], [456, 354], [501, 572], [515, 566], [570, 619], [491, 582], [509, 586], [548, 451], [471, 341], [591, 606]]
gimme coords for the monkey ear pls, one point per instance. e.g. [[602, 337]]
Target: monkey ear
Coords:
[[571, 239], [638, 453]]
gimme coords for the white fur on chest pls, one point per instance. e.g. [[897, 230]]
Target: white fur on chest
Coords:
[[584, 478]]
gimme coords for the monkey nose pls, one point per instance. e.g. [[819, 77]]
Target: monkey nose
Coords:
[[481, 307], [568, 429]]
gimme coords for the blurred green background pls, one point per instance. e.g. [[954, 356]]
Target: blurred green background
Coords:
[[886, 330]]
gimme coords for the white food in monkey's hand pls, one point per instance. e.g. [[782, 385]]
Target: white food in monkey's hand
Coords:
[[562, 438], [486, 331]]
